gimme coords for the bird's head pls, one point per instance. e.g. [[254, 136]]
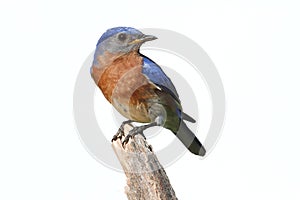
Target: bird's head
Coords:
[[122, 40]]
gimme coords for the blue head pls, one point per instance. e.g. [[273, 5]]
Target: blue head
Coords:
[[122, 40]]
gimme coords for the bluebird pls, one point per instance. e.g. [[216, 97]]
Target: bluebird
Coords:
[[138, 88]]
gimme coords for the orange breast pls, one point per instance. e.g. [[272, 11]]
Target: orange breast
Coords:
[[124, 86], [124, 70]]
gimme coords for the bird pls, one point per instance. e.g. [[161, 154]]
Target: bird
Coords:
[[138, 88]]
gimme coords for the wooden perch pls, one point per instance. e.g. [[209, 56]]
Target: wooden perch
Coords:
[[146, 178]]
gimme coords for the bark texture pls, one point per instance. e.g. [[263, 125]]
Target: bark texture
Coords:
[[146, 178]]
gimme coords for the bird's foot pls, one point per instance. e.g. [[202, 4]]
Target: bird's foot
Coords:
[[120, 132], [133, 132], [116, 136], [137, 130]]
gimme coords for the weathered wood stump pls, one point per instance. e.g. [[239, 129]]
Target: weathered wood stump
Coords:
[[146, 178]]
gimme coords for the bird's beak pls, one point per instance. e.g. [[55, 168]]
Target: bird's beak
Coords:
[[143, 39]]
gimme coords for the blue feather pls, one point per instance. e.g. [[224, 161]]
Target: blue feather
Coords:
[[156, 75], [113, 31]]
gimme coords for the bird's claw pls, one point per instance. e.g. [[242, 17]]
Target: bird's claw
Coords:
[[120, 132], [116, 136], [133, 132], [126, 139]]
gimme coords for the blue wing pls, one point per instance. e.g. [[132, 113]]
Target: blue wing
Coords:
[[156, 75]]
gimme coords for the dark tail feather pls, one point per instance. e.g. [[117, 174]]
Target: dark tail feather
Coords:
[[187, 137], [187, 117]]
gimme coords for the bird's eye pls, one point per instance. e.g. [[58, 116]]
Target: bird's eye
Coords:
[[122, 36]]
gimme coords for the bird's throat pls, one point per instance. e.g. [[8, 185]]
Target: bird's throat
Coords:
[[105, 60]]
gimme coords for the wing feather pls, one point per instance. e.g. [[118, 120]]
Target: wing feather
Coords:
[[157, 76]]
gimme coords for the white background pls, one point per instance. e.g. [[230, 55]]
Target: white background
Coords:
[[254, 44]]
